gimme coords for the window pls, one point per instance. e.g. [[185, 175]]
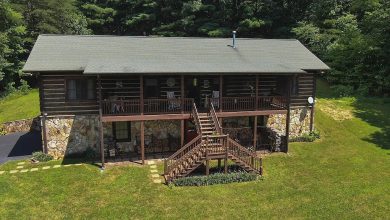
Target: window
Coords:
[[294, 85], [122, 131], [151, 89], [80, 89]]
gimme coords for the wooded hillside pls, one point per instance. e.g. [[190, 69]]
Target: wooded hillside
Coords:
[[351, 36]]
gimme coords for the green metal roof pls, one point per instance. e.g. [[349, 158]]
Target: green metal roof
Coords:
[[95, 54]]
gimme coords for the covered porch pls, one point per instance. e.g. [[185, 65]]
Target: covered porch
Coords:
[[171, 94], [146, 98]]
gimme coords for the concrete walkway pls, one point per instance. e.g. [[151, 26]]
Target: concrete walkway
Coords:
[[19, 145]]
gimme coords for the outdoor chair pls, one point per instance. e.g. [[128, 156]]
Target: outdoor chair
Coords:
[[173, 102], [215, 99]]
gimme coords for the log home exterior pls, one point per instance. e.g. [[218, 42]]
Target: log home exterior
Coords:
[[140, 96]]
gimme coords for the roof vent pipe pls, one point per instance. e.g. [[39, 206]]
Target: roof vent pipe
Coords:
[[234, 39]]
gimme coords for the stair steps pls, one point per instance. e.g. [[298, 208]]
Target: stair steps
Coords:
[[193, 159]]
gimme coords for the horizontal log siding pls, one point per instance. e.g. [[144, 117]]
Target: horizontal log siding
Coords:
[[267, 84], [237, 86], [305, 90], [122, 87], [53, 97]]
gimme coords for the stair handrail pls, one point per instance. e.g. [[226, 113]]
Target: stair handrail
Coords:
[[246, 156], [215, 118], [195, 115], [187, 148]]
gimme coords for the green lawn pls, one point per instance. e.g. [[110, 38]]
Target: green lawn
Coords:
[[18, 106], [343, 175]]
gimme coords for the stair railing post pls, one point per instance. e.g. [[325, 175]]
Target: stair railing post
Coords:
[[207, 156], [226, 153]]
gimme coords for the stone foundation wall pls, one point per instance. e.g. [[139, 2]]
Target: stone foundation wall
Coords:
[[68, 135], [25, 125], [299, 122]]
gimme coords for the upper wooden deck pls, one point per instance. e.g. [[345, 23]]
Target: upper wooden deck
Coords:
[[145, 97]]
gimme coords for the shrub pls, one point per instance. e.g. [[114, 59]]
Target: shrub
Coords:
[[309, 137], [9, 88], [90, 154], [24, 87], [41, 157], [218, 178], [342, 90]]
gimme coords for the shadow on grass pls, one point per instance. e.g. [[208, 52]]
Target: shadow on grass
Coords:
[[376, 112], [373, 110]]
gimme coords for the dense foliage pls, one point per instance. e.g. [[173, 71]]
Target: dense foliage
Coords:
[[352, 36], [218, 178]]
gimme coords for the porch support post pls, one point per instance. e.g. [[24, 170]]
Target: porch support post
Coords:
[[101, 120], [255, 133], [312, 106], [182, 132], [257, 92], [44, 132], [220, 92], [182, 93], [143, 142], [288, 114], [141, 93]]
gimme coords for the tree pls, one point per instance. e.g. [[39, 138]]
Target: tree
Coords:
[[12, 32]]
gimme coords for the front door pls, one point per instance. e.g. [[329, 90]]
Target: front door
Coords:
[[201, 88]]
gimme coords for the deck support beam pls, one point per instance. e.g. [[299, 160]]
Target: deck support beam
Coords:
[[182, 135], [101, 133], [255, 133], [220, 92], [288, 114], [182, 93], [312, 106], [257, 92], [141, 93], [143, 142]]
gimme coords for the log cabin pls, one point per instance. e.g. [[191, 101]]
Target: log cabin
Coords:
[[188, 99]]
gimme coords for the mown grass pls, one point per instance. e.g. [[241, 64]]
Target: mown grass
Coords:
[[344, 175], [19, 106]]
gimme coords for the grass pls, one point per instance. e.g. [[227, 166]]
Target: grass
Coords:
[[343, 175], [18, 106]]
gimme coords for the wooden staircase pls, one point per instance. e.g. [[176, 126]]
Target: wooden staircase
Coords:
[[210, 144]]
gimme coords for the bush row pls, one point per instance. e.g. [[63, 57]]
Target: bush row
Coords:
[[218, 178], [309, 137]]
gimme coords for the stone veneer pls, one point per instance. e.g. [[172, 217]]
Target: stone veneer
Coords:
[[25, 125], [67, 135], [159, 129], [299, 122]]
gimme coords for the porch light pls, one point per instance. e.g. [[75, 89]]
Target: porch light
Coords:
[[195, 82]]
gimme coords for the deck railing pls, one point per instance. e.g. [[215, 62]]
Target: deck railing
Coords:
[[157, 106], [151, 106], [182, 154], [215, 118], [245, 155], [176, 106], [121, 107], [233, 104]]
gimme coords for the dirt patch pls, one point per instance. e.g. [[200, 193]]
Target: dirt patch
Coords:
[[337, 112]]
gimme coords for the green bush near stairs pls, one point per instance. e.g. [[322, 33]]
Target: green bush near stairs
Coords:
[[218, 178]]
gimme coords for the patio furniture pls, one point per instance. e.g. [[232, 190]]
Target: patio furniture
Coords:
[[173, 102]]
